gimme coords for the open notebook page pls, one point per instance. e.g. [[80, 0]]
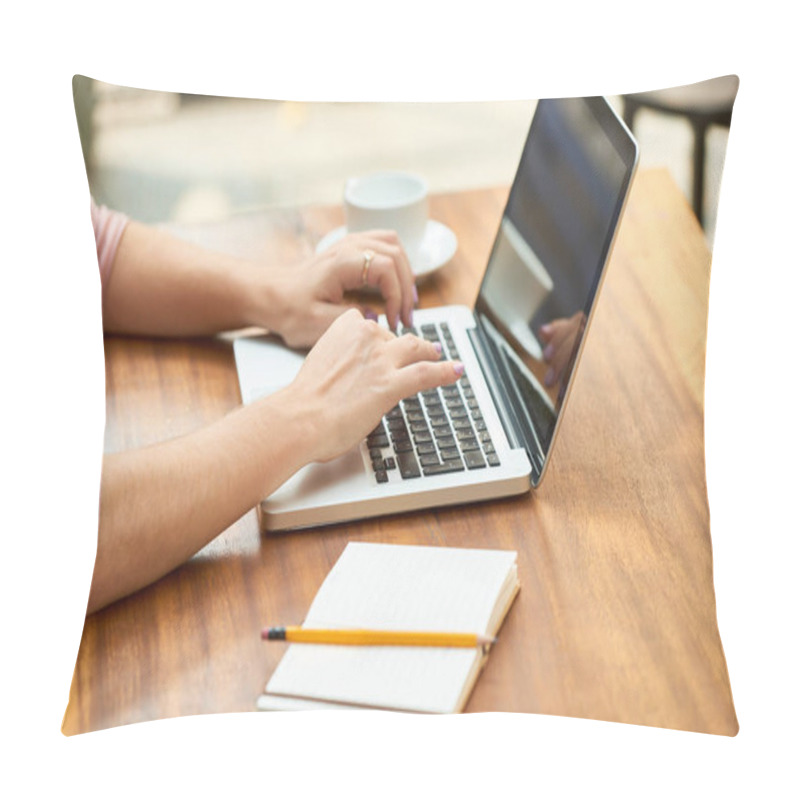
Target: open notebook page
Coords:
[[400, 587]]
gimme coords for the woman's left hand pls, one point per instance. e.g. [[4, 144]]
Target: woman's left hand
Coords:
[[308, 298]]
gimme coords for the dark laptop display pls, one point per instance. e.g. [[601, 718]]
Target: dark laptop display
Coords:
[[548, 259]]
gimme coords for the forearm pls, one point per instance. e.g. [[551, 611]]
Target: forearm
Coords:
[[161, 504], [164, 286]]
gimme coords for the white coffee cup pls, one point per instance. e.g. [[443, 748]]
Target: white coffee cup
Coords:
[[395, 201]]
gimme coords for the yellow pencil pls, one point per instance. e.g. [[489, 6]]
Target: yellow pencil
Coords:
[[370, 637]]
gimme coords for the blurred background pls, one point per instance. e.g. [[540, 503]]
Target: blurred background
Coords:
[[162, 157]]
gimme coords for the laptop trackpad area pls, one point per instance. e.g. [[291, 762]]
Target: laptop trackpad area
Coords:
[[332, 482], [264, 364]]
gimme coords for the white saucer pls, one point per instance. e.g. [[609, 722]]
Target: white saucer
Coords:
[[439, 245]]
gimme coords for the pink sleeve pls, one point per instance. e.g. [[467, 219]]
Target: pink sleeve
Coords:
[[108, 228]]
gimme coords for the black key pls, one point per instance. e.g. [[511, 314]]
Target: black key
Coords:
[[454, 403], [389, 463], [485, 437], [493, 460], [426, 447], [403, 446], [428, 459], [474, 459], [476, 413], [395, 413], [450, 453], [412, 403], [450, 391], [472, 403], [480, 425], [416, 427], [375, 452], [469, 444], [377, 465], [462, 424], [407, 462], [434, 407], [381, 476], [380, 440], [423, 436], [398, 424], [443, 436], [445, 466], [468, 393], [459, 413], [415, 416], [488, 447], [464, 434], [446, 441], [438, 421]]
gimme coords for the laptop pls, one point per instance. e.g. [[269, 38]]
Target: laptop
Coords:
[[491, 434]]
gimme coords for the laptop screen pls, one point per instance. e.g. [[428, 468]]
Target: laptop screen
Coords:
[[548, 258]]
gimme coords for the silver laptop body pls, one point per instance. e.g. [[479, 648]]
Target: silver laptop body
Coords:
[[492, 434]]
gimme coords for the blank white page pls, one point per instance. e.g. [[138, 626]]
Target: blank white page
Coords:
[[398, 587]]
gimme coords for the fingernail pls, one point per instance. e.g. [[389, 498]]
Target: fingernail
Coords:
[[548, 352], [416, 294], [370, 315], [458, 367], [549, 379], [438, 347]]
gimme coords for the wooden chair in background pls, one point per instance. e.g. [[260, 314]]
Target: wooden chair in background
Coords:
[[702, 104]]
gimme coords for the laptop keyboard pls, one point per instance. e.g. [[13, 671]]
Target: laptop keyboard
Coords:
[[435, 432]]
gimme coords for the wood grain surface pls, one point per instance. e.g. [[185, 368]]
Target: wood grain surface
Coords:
[[616, 618]]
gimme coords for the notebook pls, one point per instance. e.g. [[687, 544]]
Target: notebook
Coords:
[[397, 587], [490, 435]]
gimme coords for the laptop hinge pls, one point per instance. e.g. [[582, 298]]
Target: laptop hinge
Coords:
[[501, 394]]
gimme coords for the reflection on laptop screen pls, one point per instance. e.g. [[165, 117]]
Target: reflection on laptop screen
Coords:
[[549, 255]]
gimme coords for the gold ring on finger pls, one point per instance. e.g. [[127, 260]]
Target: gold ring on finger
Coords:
[[368, 256]]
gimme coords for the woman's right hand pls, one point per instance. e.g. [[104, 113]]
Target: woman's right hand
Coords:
[[355, 373], [559, 337]]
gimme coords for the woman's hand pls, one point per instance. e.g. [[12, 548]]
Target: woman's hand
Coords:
[[308, 298], [559, 337], [355, 374]]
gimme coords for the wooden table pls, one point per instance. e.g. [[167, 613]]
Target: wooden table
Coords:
[[616, 619]]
